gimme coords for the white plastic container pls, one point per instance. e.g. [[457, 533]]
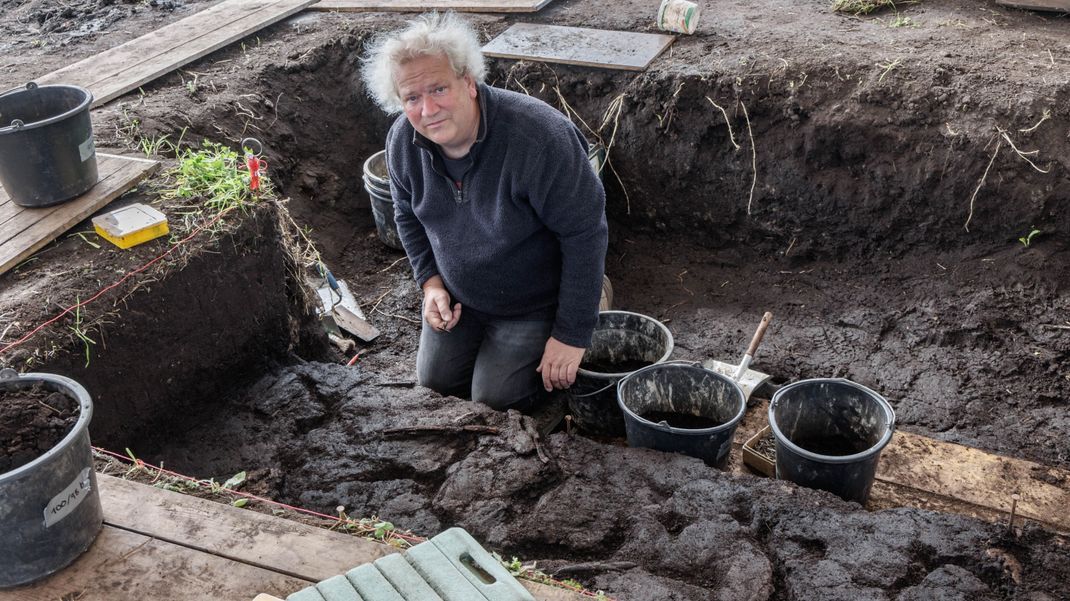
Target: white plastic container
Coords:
[[680, 16]]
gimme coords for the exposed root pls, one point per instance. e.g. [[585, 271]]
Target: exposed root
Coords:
[[966, 226], [1024, 155], [753, 158], [731, 136], [1044, 117]]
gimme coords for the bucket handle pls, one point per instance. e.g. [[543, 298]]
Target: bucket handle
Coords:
[[17, 124], [599, 391], [29, 86]]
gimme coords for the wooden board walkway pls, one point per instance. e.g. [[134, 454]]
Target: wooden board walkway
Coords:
[[579, 46], [919, 471], [115, 72], [167, 546], [462, 6], [1058, 6], [24, 231]]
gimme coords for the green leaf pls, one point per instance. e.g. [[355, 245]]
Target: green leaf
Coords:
[[235, 481], [240, 502]]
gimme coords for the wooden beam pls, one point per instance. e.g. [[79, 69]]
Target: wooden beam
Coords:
[[31, 229], [978, 478], [283, 546], [1058, 6], [470, 6], [119, 70], [123, 565]]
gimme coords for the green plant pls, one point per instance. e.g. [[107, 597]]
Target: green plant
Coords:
[[211, 173], [79, 330], [902, 21], [1027, 239], [235, 481], [382, 529]]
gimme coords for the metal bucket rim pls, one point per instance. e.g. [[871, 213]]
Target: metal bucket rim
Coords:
[[85, 414], [668, 351], [368, 173], [732, 423], [82, 106], [872, 451]]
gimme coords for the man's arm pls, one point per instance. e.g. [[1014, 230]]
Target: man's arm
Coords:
[[570, 200]]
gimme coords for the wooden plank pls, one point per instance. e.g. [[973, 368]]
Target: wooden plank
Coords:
[[464, 6], [127, 566], [267, 542], [32, 229], [1058, 6], [283, 546], [579, 46], [132, 64], [976, 477], [106, 169]]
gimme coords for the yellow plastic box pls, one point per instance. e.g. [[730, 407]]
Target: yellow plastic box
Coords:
[[131, 225]]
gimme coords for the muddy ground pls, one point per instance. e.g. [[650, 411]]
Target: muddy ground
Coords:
[[863, 140]]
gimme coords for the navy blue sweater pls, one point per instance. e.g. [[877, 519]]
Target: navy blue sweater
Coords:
[[524, 233]]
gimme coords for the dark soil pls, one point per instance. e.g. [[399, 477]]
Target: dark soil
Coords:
[[680, 420], [832, 445], [834, 191], [32, 421]]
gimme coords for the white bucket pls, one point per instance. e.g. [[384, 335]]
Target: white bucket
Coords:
[[680, 16]]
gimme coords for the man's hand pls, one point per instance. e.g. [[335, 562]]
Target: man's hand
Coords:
[[437, 310], [559, 364]]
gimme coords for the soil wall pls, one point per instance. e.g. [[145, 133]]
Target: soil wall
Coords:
[[184, 339]]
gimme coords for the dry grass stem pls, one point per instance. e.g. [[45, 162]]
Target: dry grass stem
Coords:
[[391, 266], [999, 144], [731, 136]]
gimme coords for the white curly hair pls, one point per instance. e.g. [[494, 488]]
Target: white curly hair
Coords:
[[429, 34]]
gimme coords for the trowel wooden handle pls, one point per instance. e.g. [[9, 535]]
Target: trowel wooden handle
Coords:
[[759, 333]]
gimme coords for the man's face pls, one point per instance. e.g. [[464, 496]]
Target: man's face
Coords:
[[438, 103]]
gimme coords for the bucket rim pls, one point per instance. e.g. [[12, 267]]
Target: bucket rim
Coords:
[[874, 449], [367, 171], [82, 106], [378, 195], [11, 378], [670, 343], [732, 423]]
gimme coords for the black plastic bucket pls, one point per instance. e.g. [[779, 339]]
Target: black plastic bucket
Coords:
[[621, 339], [682, 408], [49, 508], [47, 154], [829, 435], [377, 185]]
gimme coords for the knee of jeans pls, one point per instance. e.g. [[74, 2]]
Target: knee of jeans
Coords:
[[502, 400]]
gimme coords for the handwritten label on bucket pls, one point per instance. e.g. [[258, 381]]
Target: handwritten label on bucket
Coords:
[[65, 502], [86, 149]]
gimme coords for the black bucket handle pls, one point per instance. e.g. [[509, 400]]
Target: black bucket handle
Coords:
[[608, 386], [17, 124]]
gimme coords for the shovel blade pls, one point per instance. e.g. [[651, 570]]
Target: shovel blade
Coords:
[[748, 382]]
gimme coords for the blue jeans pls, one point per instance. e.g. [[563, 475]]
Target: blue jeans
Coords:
[[488, 359]]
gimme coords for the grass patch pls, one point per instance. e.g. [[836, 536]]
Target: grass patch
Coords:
[[865, 7], [213, 173]]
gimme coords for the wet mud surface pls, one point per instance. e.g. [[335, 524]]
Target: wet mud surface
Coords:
[[637, 523], [844, 188]]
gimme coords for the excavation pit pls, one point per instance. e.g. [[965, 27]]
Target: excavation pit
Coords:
[[853, 237]]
